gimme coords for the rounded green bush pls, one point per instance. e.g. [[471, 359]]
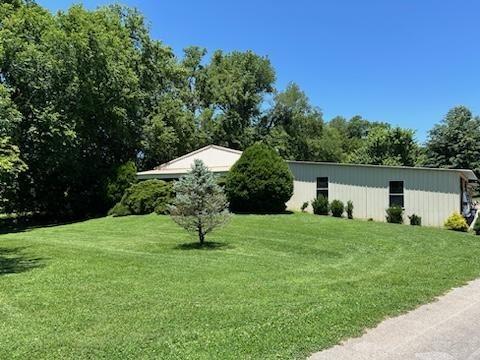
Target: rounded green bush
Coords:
[[395, 215], [320, 205], [456, 222], [119, 210], [415, 220], [336, 207], [145, 197], [260, 181]]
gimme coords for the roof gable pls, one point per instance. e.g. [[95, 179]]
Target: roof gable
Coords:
[[221, 159], [216, 158]]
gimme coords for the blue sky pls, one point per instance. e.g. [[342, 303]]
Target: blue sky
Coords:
[[405, 61]]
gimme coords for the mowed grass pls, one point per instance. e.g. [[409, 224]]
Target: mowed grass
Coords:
[[271, 287]]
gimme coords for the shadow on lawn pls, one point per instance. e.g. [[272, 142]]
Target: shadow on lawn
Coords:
[[208, 245], [284, 212], [10, 225], [14, 261]]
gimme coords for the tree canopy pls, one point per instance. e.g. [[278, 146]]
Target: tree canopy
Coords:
[[387, 146], [84, 93], [83, 81], [11, 167], [455, 142], [293, 126]]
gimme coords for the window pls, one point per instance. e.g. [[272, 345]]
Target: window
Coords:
[[322, 187], [396, 194]]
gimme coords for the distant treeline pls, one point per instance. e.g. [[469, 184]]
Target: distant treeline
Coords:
[[82, 93]]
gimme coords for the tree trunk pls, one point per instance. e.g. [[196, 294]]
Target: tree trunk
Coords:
[[201, 235]]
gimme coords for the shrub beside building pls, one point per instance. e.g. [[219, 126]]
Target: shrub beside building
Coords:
[[259, 182]]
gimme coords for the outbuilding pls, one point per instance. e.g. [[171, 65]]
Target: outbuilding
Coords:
[[432, 193]]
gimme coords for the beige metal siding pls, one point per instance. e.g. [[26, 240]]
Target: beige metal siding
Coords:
[[433, 195], [212, 157]]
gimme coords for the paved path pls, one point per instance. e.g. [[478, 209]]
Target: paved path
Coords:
[[448, 329]]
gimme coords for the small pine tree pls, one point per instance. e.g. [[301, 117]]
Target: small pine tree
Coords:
[[200, 204]]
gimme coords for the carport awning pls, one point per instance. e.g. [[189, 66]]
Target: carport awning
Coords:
[[469, 174]]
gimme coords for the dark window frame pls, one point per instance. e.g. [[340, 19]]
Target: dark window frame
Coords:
[[396, 193], [322, 186]]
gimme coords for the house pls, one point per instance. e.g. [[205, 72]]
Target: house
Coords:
[[432, 193]]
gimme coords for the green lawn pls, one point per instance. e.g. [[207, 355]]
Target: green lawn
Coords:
[[272, 287]]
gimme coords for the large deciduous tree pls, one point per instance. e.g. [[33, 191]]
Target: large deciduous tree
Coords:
[[455, 142], [353, 132], [293, 126], [387, 146], [84, 83], [176, 124], [84, 93], [169, 132], [214, 102], [11, 164], [234, 87]]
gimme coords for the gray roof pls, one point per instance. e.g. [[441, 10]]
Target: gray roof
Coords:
[[220, 159], [469, 174]]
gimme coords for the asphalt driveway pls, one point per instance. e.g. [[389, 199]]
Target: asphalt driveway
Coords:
[[447, 329]]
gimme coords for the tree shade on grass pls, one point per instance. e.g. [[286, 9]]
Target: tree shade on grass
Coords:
[[268, 287]]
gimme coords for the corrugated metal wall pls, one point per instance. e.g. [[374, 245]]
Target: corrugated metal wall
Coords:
[[432, 194]]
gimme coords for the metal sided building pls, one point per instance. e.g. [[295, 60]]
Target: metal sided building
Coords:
[[434, 194]]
